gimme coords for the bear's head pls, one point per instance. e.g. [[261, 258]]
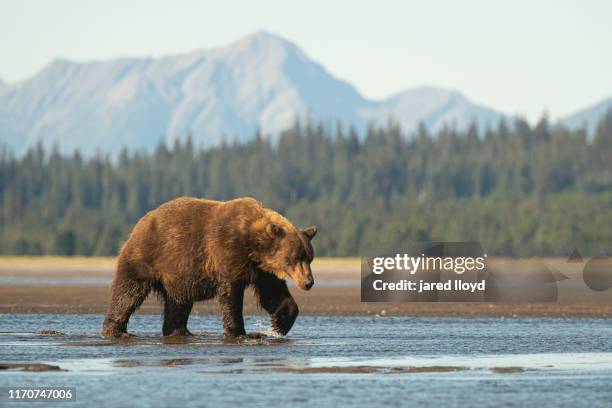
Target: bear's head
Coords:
[[283, 249]]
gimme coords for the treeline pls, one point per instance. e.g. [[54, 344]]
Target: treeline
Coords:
[[518, 189]]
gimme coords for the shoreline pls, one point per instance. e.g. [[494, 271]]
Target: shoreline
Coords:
[[323, 301], [65, 293]]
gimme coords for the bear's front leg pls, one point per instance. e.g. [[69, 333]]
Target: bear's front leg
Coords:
[[284, 316], [231, 297], [275, 298]]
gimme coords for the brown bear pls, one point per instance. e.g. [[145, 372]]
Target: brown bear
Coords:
[[192, 249]]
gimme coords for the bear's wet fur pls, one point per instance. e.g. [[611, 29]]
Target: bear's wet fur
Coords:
[[192, 249]]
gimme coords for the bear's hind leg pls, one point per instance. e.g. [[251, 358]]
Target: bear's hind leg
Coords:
[[175, 318], [127, 294]]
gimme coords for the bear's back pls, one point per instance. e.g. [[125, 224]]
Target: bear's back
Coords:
[[174, 229], [179, 228], [181, 215]]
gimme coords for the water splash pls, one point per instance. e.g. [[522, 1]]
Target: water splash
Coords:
[[266, 329]]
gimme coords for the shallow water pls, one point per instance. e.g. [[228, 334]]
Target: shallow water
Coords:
[[324, 362]]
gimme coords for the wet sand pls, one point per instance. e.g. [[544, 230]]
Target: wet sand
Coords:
[[330, 301], [322, 300], [30, 367]]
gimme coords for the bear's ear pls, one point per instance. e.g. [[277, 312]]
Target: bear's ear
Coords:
[[310, 232], [274, 230]]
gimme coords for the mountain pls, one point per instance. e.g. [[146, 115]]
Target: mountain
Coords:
[[261, 81], [434, 107], [588, 118]]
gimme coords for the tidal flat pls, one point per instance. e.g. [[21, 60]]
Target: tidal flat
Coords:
[[341, 351]]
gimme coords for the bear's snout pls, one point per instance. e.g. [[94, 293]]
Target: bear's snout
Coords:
[[305, 284], [308, 284], [302, 276]]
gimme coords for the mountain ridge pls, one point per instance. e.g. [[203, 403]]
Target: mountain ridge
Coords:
[[588, 117], [258, 82]]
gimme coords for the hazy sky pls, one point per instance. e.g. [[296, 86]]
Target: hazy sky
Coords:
[[522, 57]]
